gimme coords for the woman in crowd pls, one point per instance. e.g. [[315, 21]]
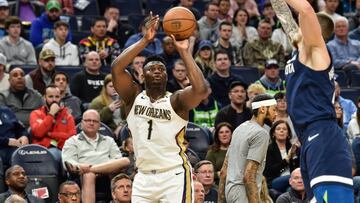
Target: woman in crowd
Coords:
[[242, 32], [204, 57]]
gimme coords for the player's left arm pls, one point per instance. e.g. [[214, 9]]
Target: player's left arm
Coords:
[[252, 190], [191, 96]]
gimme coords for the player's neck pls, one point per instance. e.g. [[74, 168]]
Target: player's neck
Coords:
[[155, 94]]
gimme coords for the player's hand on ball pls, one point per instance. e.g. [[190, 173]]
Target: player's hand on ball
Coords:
[[182, 45]]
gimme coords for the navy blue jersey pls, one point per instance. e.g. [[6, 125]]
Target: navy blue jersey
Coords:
[[309, 93]]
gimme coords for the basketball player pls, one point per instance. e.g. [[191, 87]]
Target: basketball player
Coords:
[[157, 120], [325, 156]]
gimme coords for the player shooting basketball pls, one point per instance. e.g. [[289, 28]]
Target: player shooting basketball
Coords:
[[325, 156], [157, 120]]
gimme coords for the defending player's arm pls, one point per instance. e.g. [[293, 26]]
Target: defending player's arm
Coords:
[[191, 96], [123, 82], [251, 187], [222, 181]]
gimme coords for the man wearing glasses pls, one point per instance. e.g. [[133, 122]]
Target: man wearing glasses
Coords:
[[69, 192], [89, 153]]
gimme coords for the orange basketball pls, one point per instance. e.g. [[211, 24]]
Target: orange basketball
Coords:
[[180, 22]]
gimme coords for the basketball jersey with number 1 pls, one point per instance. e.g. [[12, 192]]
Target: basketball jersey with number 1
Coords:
[[157, 132]]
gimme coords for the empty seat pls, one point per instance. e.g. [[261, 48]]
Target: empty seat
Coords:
[[41, 168], [248, 74], [158, 7], [350, 93], [340, 77], [91, 9], [355, 79], [26, 68], [135, 20], [198, 138], [128, 7], [77, 36]]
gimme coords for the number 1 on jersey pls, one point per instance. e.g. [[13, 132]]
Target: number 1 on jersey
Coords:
[[149, 129]]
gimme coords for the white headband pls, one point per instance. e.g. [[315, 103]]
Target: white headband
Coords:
[[258, 104], [151, 63]]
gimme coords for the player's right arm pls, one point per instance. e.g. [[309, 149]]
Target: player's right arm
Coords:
[[252, 190], [122, 80]]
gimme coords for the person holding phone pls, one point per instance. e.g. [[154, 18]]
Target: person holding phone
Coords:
[[51, 125]]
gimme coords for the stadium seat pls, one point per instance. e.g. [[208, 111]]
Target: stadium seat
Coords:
[[104, 129], [127, 7], [200, 5], [91, 9], [123, 134], [350, 93], [72, 21], [355, 79], [135, 20], [26, 68], [158, 7], [77, 36], [198, 138], [248, 74], [282, 73], [41, 169], [340, 77]]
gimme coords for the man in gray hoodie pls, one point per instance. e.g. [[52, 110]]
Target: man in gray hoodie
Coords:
[[17, 50]]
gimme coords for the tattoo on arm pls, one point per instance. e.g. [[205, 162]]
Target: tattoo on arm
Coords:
[[222, 181], [287, 21], [252, 190]]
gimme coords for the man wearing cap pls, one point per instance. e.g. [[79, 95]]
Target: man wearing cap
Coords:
[[271, 80], [39, 78], [4, 77], [17, 50], [4, 13], [42, 27], [247, 153], [236, 112], [20, 99]]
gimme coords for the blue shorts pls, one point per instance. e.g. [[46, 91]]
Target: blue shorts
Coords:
[[325, 156]]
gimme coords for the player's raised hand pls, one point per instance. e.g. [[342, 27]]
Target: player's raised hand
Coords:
[[151, 27]]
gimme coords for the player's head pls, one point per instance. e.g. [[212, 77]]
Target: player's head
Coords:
[[326, 24], [155, 72], [264, 107]]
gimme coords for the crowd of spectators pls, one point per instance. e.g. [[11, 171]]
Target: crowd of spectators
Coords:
[[63, 110]]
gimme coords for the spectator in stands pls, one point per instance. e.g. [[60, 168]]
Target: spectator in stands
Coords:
[[199, 192], [71, 102], [269, 13], [280, 37], [109, 106], [90, 153], [51, 125], [236, 112], [17, 50], [271, 80], [189, 5], [340, 116], [330, 9], [224, 7], [345, 52], [170, 54], [4, 77], [282, 157], [19, 98], [40, 77], [204, 171], [16, 180], [354, 19], [107, 47], [42, 27], [127, 150], [209, 23], [234, 52], [216, 153], [204, 114], [249, 5], [253, 90], [355, 32], [4, 14], [121, 188], [221, 79], [66, 53], [297, 192], [204, 58], [13, 135], [348, 105], [66, 6], [259, 50], [89, 79], [15, 199], [180, 79], [115, 28], [136, 69], [27, 10], [69, 192], [353, 130], [153, 48], [242, 31]]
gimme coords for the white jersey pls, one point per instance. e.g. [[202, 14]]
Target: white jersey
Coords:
[[158, 133]]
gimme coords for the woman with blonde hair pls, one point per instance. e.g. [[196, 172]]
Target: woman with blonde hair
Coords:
[[253, 90], [204, 58], [108, 104]]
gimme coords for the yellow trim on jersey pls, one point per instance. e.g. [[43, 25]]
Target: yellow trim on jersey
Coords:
[[187, 195]]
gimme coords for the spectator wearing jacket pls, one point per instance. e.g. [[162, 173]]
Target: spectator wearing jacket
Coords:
[[107, 47], [4, 77], [40, 77], [51, 125], [20, 99], [42, 27], [66, 53], [4, 13], [27, 10], [17, 50]]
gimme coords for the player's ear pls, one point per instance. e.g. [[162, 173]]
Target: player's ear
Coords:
[[262, 110]]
